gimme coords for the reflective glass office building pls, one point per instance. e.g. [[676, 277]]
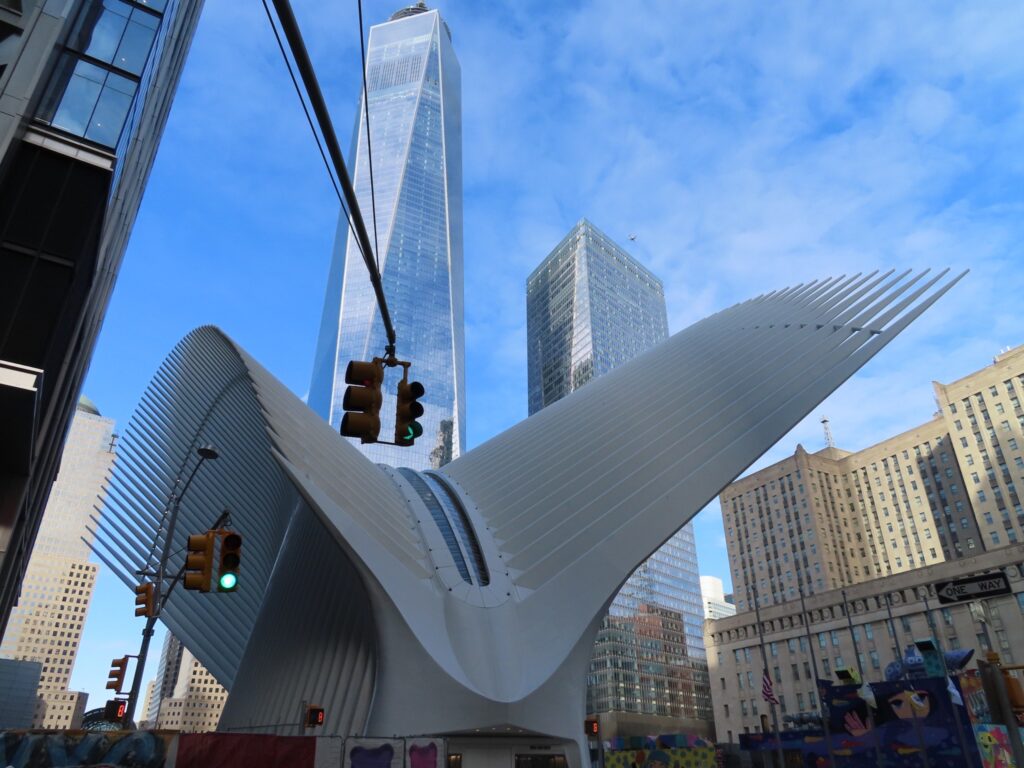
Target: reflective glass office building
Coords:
[[590, 307], [413, 81], [85, 90]]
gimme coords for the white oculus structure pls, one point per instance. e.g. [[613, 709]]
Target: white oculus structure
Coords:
[[465, 598]]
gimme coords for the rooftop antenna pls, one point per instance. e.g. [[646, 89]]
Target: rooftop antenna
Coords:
[[829, 440]]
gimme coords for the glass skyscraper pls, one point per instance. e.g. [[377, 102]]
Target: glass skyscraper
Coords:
[[414, 87], [590, 307]]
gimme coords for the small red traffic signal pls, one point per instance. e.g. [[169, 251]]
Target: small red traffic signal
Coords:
[[230, 559], [591, 727], [199, 562], [114, 709], [145, 600], [118, 668], [314, 716]]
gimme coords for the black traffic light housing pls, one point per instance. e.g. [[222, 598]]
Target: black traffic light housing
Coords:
[[199, 561], [230, 559], [591, 727], [115, 678], [114, 709], [363, 400], [145, 599], [407, 429], [314, 716]]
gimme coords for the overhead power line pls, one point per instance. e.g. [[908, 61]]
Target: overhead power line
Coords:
[[298, 49], [369, 145], [309, 117]]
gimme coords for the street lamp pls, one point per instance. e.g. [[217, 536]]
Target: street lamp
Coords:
[[205, 452]]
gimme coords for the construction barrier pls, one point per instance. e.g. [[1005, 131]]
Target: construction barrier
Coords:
[[170, 749]]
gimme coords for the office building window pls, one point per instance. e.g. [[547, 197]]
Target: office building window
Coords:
[[96, 78]]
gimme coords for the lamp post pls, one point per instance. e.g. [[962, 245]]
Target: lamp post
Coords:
[[205, 452]]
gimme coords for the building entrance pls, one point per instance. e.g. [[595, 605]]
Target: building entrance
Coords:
[[540, 761]]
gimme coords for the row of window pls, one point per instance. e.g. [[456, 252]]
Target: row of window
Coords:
[[94, 84]]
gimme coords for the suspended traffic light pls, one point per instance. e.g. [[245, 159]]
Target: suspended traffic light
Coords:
[[362, 400], [118, 669], [145, 600], [199, 561], [114, 709], [230, 559], [407, 429], [314, 716]]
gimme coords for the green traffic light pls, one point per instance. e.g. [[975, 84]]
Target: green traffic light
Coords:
[[228, 581]]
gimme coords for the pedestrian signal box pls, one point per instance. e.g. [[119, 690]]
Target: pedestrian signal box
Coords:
[[114, 709], [314, 716]]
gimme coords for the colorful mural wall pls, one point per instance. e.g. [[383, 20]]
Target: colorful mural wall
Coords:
[[374, 753], [68, 749], [994, 746], [669, 751], [170, 749], [910, 724]]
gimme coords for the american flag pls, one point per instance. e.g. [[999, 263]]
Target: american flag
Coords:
[[766, 689]]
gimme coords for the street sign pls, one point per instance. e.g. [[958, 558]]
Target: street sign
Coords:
[[973, 588]]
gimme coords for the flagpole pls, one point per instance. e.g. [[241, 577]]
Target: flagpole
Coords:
[[903, 676], [764, 663], [863, 682], [945, 670], [805, 617], [900, 650]]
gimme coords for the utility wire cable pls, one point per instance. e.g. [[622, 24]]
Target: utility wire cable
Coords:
[[369, 145], [290, 27], [309, 119]]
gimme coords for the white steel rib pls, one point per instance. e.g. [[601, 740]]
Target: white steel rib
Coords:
[[466, 598]]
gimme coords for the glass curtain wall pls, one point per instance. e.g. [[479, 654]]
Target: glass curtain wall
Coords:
[[413, 81], [591, 307]]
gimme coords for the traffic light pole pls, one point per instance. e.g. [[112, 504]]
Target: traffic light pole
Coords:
[[205, 453]]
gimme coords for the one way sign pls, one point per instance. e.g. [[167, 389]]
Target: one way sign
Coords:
[[973, 588]]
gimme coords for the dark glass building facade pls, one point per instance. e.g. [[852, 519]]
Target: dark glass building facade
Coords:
[[85, 90], [590, 307]]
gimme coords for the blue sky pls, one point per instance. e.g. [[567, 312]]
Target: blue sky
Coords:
[[748, 145]]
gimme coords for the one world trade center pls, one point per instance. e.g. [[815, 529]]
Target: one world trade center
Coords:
[[415, 138]]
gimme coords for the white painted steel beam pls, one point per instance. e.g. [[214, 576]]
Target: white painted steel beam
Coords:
[[469, 597]]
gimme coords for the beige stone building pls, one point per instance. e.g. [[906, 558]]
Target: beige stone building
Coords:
[[942, 496], [147, 704], [46, 625], [802, 646], [984, 417], [196, 702], [824, 520]]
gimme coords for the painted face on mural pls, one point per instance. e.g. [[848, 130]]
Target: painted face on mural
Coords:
[[907, 705]]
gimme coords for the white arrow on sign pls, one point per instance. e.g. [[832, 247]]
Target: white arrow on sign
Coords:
[[962, 590]]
